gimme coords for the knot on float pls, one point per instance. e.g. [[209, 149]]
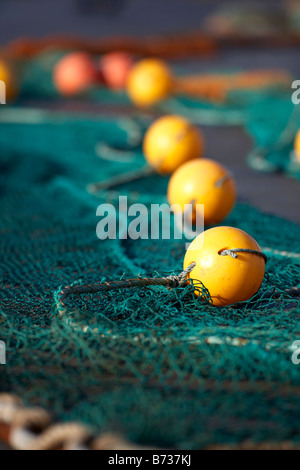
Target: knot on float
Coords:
[[180, 279]]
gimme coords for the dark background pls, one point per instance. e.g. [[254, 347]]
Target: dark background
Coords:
[[94, 18]]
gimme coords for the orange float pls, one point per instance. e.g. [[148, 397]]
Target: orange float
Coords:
[[115, 68], [74, 73]]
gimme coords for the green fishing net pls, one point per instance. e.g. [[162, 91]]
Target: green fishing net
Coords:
[[159, 366]]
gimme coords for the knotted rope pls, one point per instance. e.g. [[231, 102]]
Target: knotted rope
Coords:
[[170, 282], [233, 253]]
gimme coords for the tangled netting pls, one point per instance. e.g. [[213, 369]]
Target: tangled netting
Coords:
[[268, 115], [160, 366]]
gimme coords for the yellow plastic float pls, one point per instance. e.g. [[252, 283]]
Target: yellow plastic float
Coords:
[[149, 82], [229, 263], [171, 141], [203, 181]]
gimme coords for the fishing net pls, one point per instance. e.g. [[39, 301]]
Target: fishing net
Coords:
[[158, 365]]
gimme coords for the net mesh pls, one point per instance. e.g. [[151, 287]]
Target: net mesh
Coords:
[[160, 366]]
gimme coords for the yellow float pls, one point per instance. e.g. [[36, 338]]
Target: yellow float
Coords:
[[229, 263], [149, 82], [203, 181], [171, 141]]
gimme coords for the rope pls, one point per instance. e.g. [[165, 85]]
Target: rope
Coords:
[[47, 435], [223, 179], [170, 282], [120, 179], [233, 253]]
